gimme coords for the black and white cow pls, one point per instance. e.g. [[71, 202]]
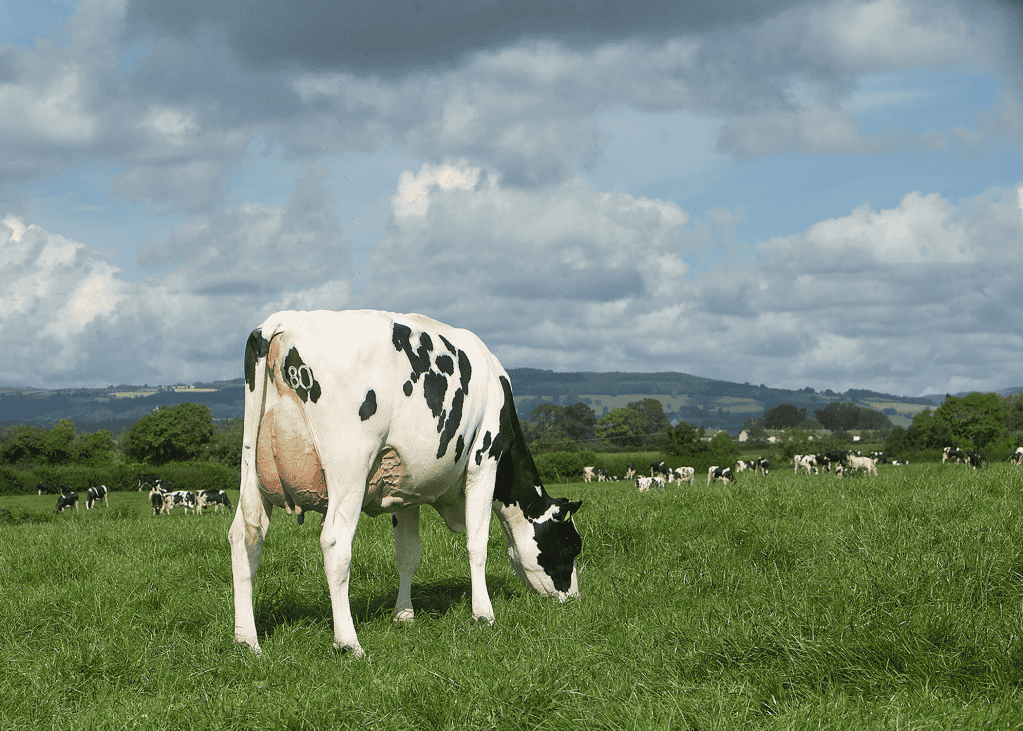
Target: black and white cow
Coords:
[[67, 499], [953, 455], [45, 488], [683, 474], [1017, 456], [96, 493], [147, 480], [975, 460], [630, 471], [184, 498], [594, 473], [217, 498], [720, 474], [757, 465], [156, 499], [659, 468], [383, 413]]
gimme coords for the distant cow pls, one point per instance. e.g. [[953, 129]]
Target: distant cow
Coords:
[[806, 461], [720, 474], [96, 493], [45, 488], [659, 468], [1017, 456], [953, 455], [865, 463], [647, 483], [184, 498], [147, 480], [630, 471], [755, 465], [156, 499], [67, 500], [217, 498], [975, 459], [683, 474], [589, 473]]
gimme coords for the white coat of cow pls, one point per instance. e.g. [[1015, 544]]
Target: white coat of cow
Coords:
[[375, 412]]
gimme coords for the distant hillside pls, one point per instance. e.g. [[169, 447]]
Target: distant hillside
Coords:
[[700, 401]]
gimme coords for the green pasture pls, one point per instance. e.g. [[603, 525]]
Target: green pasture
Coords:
[[779, 602]]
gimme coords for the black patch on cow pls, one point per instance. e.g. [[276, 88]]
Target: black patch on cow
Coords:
[[454, 420], [300, 377], [369, 406], [256, 347], [483, 448], [407, 388], [435, 385], [418, 359], [445, 364], [394, 520], [459, 447], [517, 477], [559, 543]]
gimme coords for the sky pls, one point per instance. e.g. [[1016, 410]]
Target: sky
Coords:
[[792, 193]]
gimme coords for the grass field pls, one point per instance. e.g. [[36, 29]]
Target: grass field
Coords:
[[893, 602]]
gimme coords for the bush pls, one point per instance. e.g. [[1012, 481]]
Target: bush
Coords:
[[13, 482], [194, 476], [561, 466]]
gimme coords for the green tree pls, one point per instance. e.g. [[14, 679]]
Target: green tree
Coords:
[[621, 428], [578, 422], [651, 419], [227, 443], [784, 416], [170, 434], [95, 449], [22, 444], [845, 416], [57, 447], [974, 420], [723, 450], [683, 440]]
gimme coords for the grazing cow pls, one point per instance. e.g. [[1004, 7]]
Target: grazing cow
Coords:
[[659, 468], [879, 457], [67, 499], [1017, 456], [589, 473], [217, 498], [953, 455], [806, 461], [720, 474], [147, 480], [975, 460], [45, 488], [383, 413], [630, 471], [184, 498], [865, 463], [96, 493], [156, 499], [683, 474], [648, 483], [758, 464]]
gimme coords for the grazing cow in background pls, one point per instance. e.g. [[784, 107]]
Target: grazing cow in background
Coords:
[[184, 498], [953, 455], [806, 461], [720, 474], [217, 498], [45, 488], [67, 499], [156, 499], [878, 457], [865, 463], [96, 493], [659, 468], [1017, 456], [683, 474], [644, 483], [339, 409], [630, 471], [589, 473], [975, 459], [756, 465], [147, 480]]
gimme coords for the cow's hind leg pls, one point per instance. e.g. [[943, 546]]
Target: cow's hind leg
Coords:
[[246, 535], [408, 552]]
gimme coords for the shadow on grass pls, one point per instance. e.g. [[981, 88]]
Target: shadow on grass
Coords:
[[277, 607]]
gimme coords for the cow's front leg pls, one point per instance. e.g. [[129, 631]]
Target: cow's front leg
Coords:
[[336, 541], [477, 534], [408, 552]]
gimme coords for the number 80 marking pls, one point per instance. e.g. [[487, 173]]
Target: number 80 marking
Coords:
[[301, 377]]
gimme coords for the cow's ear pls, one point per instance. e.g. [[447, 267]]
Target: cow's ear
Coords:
[[567, 510]]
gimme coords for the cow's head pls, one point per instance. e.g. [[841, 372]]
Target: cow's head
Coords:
[[545, 559]]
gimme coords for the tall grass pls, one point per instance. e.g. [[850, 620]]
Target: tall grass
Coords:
[[778, 602]]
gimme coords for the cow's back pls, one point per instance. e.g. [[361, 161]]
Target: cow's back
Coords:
[[412, 393]]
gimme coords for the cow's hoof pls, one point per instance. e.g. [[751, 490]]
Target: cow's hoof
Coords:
[[404, 615], [354, 651]]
